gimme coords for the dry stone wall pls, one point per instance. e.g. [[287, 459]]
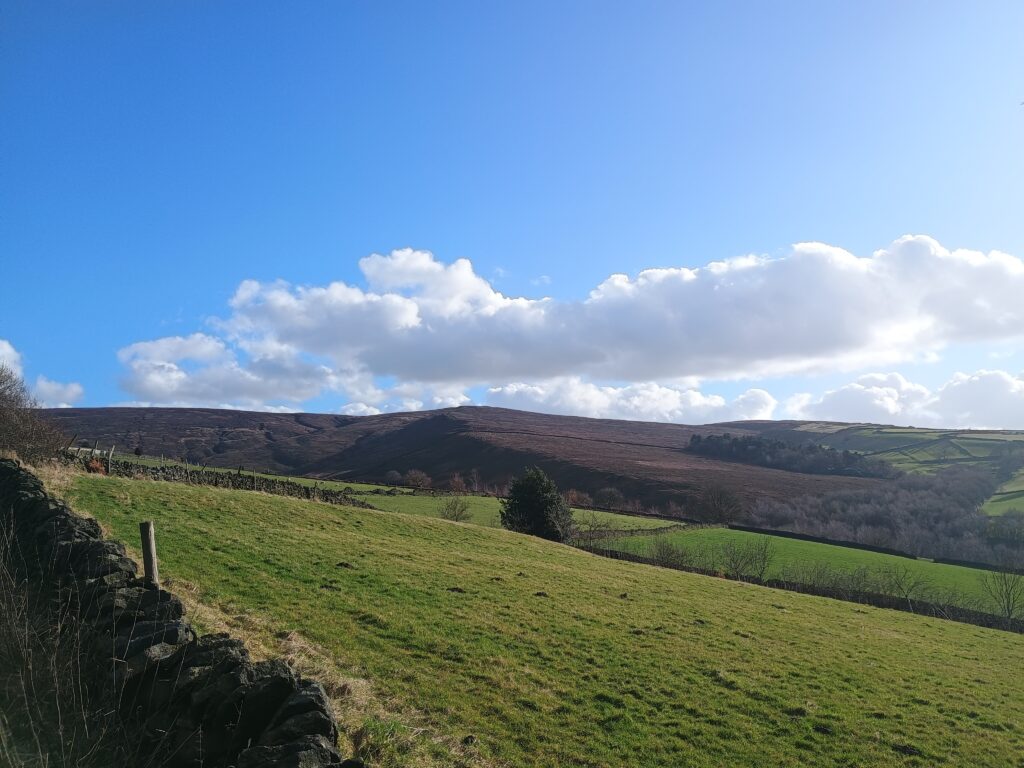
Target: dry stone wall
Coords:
[[193, 702]]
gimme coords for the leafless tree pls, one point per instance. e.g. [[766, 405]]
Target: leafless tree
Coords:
[[22, 429], [417, 478], [455, 508], [719, 504], [1005, 590], [905, 583], [666, 553], [748, 559], [590, 526], [456, 484]]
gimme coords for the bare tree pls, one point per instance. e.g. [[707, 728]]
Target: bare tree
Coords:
[[456, 484], [1005, 589], [719, 504], [417, 478], [905, 583], [22, 430], [590, 526], [668, 554], [455, 508]]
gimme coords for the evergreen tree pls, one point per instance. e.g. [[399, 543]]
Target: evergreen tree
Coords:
[[535, 506]]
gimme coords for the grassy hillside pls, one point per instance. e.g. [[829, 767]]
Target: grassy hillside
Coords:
[[1009, 496], [486, 510], [548, 656], [793, 552]]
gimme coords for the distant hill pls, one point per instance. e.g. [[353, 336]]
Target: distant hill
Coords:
[[645, 461]]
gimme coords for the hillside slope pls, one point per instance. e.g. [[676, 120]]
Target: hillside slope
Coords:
[[515, 651], [644, 460]]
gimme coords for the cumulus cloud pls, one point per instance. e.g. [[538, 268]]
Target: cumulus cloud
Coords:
[[202, 370], [433, 330], [645, 401], [9, 356], [982, 400], [816, 307], [55, 394], [49, 393]]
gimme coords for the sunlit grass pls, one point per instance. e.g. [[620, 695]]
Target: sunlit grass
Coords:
[[548, 656]]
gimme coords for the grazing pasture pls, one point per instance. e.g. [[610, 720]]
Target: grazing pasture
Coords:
[[790, 556], [498, 649]]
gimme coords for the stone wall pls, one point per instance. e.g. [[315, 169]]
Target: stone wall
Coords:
[[193, 702], [219, 478]]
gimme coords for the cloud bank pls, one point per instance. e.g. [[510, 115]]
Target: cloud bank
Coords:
[[420, 331], [984, 399]]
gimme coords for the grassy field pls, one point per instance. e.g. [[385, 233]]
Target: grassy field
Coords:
[[926, 450], [485, 510], [1009, 496], [549, 656], [793, 552]]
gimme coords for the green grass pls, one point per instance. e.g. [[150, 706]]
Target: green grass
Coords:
[[1009, 496], [550, 656], [485, 510], [793, 552]]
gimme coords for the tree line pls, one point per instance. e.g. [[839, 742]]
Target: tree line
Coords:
[[937, 516], [809, 458]]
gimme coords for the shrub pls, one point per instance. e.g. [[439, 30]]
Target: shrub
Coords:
[[417, 478], [535, 506], [455, 508], [393, 477], [669, 555]]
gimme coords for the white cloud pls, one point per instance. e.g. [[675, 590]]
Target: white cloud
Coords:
[[202, 370], [816, 308], [49, 393], [358, 409], [432, 330], [10, 357], [981, 400], [644, 401], [55, 394]]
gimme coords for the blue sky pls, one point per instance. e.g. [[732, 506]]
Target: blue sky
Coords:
[[153, 156]]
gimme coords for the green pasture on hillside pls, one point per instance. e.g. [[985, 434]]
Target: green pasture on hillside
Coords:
[[486, 510], [549, 656], [1009, 496], [788, 553]]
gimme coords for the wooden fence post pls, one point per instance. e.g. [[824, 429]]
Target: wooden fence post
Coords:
[[149, 562], [110, 459]]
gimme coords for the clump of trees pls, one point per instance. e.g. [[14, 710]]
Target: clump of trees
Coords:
[[535, 506], [937, 515], [23, 430], [417, 478], [808, 458]]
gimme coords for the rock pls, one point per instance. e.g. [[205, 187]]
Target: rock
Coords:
[[310, 752]]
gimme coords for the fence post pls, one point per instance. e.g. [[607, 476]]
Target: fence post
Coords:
[[149, 562], [110, 458]]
